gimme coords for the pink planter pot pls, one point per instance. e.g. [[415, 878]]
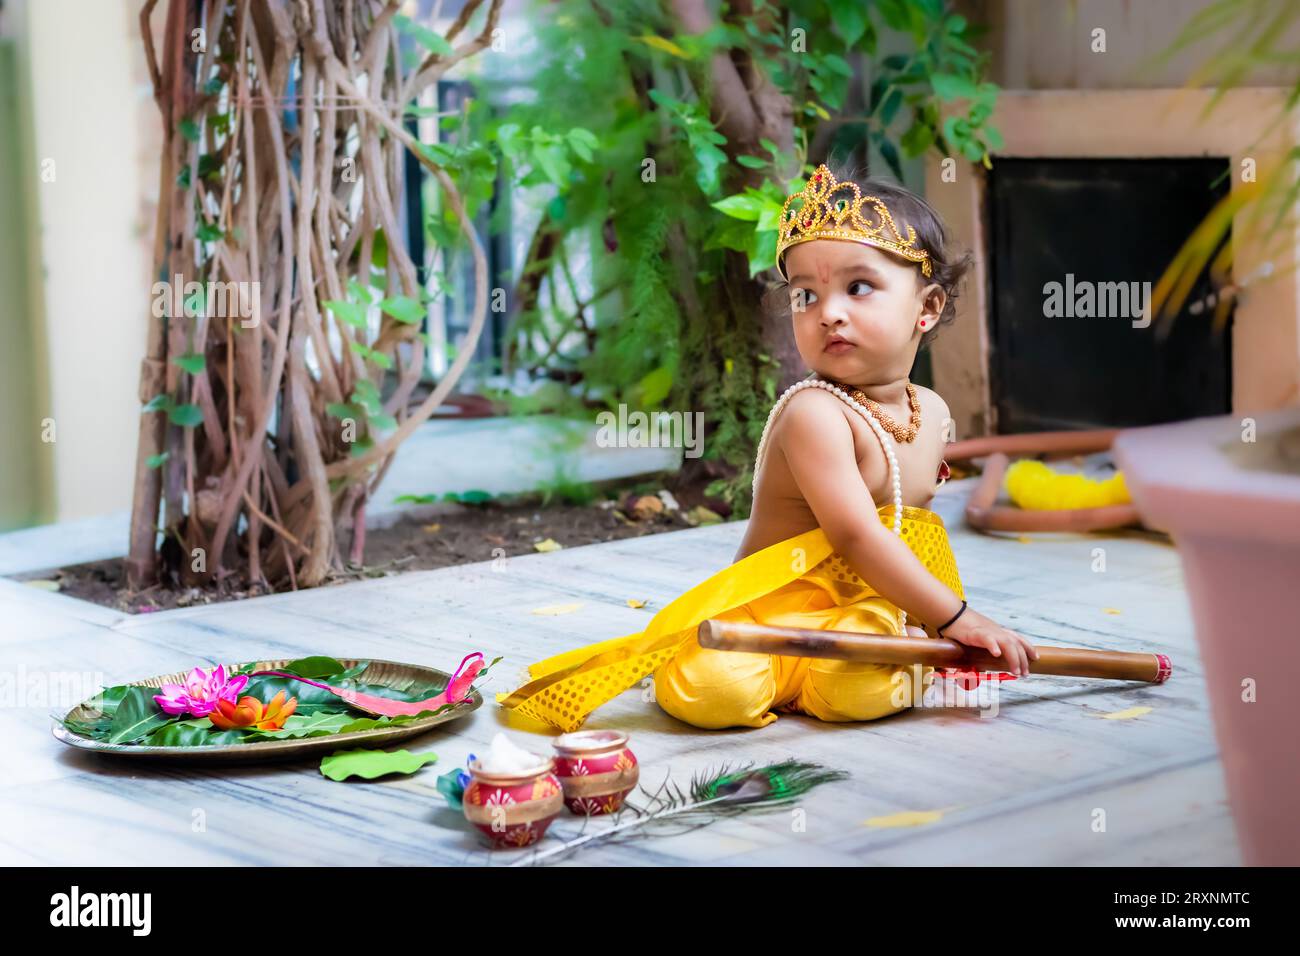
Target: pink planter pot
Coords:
[[1233, 509]]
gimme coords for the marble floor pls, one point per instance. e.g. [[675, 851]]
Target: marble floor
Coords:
[[1055, 778]]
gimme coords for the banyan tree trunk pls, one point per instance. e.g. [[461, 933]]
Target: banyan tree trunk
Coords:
[[285, 338]]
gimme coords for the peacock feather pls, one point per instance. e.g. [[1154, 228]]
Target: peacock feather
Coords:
[[711, 795]]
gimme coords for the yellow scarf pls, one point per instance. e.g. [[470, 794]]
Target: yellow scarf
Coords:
[[566, 688]]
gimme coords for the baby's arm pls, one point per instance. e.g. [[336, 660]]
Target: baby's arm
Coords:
[[817, 442]]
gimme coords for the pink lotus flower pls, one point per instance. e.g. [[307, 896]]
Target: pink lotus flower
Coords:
[[199, 695]]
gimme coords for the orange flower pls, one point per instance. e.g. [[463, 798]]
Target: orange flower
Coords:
[[249, 712]]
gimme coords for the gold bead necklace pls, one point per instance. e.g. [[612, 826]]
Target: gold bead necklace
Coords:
[[903, 434]]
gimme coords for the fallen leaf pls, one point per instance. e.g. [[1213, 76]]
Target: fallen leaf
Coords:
[[432, 527], [44, 585], [633, 602], [907, 818], [1111, 610], [702, 515], [1025, 539], [370, 764], [1126, 714], [647, 506], [550, 544], [553, 609]]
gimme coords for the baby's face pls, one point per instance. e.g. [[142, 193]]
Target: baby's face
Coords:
[[871, 300]]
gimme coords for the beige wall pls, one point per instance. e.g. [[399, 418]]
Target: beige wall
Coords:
[[1044, 44], [90, 235]]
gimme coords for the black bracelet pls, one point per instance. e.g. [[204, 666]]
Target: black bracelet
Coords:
[[939, 630]]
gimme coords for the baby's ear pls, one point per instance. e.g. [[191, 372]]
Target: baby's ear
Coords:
[[933, 299]]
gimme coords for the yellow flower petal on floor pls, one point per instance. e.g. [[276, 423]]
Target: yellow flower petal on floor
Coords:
[[906, 818], [1036, 486], [1128, 714], [550, 544], [552, 609]]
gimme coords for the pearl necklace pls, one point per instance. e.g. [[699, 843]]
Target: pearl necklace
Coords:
[[876, 427]]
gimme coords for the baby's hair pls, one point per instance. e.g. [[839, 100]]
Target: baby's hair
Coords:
[[949, 264]]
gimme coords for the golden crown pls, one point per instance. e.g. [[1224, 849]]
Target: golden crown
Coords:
[[829, 209]]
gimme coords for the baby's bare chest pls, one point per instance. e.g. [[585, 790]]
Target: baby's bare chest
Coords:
[[918, 462]]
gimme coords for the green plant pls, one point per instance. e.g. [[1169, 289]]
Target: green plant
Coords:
[[658, 149]]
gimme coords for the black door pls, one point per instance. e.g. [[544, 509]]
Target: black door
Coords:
[[1088, 225]]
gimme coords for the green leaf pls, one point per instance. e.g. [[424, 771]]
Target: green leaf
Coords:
[[183, 179], [763, 253], [890, 153], [265, 687], [850, 18], [192, 362], [366, 394], [189, 129], [948, 86], [360, 291], [403, 309], [374, 723], [210, 167], [383, 423], [208, 232], [348, 312], [889, 108], [656, 385], [343, 410], [136, 717], [918, 138], [156, 461], [370, 764], [751, 162], [583, 142], [416, 499], [193, 733], [710, 160], [433, 42], [186, 416], [159, 403], [740, 207], [318, 666], [318, 724]]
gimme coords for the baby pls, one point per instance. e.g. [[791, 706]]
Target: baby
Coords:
[[859, 316], [839, 537]]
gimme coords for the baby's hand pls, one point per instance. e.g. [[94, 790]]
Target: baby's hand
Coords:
[[975, 630]]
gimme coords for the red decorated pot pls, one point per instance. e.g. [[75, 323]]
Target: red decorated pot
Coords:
[[512, 810], [595, 769]]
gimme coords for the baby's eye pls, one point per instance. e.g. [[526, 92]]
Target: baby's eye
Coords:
[[859, 287], [802, 298]]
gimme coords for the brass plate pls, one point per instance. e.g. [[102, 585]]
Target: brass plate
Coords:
[[384, 673]]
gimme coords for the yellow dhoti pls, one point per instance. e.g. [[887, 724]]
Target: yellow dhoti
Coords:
[[799, 582]]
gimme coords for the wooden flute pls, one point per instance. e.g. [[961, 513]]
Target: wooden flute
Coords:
[[928, 652]]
